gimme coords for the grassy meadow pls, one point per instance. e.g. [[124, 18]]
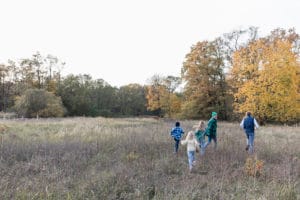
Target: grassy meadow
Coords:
[[132, 158]]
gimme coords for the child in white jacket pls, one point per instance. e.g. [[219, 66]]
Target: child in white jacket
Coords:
[[192, 145]]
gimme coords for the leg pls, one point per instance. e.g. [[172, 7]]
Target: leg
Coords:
[[207, 143], [247, 140], [202, 149], [215, 141], [176, 145], [191, 159], [251, 143]]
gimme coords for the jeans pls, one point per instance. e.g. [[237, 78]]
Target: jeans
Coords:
[[214, 138], [250, 141], [176, 145], [201, 146], [191, 158]]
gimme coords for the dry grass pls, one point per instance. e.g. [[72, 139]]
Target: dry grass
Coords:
[[98, 158]]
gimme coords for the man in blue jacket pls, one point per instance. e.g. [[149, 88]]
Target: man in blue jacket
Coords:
[[249, 124]]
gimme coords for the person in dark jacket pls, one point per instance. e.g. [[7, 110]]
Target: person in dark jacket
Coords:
[[249, 123], [211, 130]]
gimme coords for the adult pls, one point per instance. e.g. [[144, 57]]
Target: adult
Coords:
[[249, 123]]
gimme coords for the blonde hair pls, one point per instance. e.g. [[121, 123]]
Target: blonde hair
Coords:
[[190, 135], [201, 125]]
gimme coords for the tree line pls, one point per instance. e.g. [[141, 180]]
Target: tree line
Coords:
[[234, 73]]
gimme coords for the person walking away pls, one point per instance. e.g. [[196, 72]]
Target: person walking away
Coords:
[[249, 123], [200, 135], [211, 130], [177, 133], [192, 145]]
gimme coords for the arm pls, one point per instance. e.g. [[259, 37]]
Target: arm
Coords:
[[197, 134], [172, 132], [242, 123], [255, 123], [209, 126], [183, 142]]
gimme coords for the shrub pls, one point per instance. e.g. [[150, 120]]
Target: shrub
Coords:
[[253, 167]]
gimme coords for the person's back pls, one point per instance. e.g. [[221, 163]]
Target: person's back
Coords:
[[212, 127], [249, 124], [192, 145], [200, 135], [200, 131], [211, 130], [177, 133]]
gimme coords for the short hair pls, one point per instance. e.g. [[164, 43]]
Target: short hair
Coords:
[[177, 124], [248, 113]]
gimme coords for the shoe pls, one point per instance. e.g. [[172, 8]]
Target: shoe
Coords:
[[247, 147]]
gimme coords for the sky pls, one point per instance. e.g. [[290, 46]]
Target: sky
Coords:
[[129, 41]]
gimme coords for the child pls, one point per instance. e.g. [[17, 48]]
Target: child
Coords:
[[177, 133], [211, 130], [192, 145], [200, 135]]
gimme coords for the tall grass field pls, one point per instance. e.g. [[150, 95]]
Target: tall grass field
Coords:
[[132, 158]]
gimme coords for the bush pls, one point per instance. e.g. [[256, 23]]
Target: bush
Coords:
[[37, 102]]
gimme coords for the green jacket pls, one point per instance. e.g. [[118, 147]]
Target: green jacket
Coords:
[[200, 135], [211, 127]]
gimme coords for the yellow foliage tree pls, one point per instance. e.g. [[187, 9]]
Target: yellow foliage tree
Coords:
[[265, 80], [161, 95]]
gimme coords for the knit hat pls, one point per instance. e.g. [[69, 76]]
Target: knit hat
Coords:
[[213, 114]]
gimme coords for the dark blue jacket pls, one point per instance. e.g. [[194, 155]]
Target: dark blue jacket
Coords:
[[249, 124]]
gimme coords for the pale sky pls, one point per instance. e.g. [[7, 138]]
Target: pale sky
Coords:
[[128, 41]]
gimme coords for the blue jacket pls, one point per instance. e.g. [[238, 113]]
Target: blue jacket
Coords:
[[249, 124], [177, 132]]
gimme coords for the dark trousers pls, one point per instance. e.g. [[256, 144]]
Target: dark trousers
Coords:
[[176, 144]]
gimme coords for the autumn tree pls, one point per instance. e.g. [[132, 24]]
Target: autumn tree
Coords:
[[153, 94], [53, 66], [204, 78], [162, 97], [265, 78]]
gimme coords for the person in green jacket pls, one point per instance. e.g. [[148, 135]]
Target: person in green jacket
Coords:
[[211, 130], [200, 135]]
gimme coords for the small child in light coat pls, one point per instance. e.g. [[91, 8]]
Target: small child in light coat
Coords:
[[192, 145]]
